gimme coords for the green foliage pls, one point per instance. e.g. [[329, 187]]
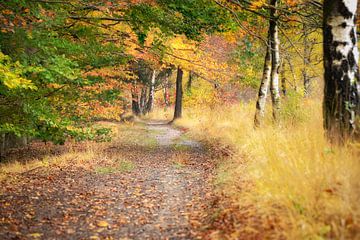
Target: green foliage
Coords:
[[195, 18], [109, 95], [41, 76], [190, 18]]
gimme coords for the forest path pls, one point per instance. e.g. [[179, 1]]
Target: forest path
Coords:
[[149, 183]]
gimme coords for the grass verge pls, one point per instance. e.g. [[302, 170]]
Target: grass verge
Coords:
[[286, 181]]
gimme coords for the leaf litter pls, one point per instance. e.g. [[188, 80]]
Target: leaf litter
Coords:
[[147, 196]]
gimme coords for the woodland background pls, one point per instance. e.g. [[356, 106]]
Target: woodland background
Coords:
[[66, 65]]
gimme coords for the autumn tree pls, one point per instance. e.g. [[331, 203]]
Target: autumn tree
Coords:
[[275, 59]]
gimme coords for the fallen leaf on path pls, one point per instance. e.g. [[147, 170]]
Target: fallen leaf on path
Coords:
[[102, 224], [35, 235]]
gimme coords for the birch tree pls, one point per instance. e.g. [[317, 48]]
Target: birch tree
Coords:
[[150, 103], [271, 70], [261, 102], [275, 59], [341, 56]]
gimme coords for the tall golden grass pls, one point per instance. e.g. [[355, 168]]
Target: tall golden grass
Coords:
[[294, 173]]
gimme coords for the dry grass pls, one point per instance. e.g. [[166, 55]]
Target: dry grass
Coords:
[[80, 158], [91, 156], [289, 170], [83, 155]]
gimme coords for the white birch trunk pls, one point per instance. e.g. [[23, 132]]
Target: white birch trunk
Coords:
[[341, 57], [150, 105], [261, 102], [275, 61]]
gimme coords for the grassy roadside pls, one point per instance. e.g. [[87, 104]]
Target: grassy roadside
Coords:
[[91, 156], [282, 181]]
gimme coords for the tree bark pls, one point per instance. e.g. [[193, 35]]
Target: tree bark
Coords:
[[166, 92], [283, 78], [179, 93], [306, 59], [189, 83], [3, 145], [135, 100], [143, 99], [292, 70], [150, 103], [275, 60], [261, 101], [341, 57]]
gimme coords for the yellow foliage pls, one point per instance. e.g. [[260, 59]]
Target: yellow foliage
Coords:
[[202, 94], [230, 37], [10, 74], [257, 4]]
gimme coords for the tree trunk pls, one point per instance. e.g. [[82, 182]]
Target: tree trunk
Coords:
[[10, 140], [307, 55], [166, 93], [143, 100], [150, 103], [135, 100], [283, 78], [179, 93], [189, 83], [275, 60], [261, 102], [341, 56], [292, 70], [3, 145]]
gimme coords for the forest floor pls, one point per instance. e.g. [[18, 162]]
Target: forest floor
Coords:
[[150, 182]]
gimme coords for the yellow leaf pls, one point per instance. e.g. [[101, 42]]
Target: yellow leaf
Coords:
[[35, 235], [7, 12], [102, 224]]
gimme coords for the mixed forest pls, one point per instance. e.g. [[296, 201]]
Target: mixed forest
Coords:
[[179, 119]]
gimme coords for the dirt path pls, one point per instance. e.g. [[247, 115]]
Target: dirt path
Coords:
[[152, 187]]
